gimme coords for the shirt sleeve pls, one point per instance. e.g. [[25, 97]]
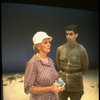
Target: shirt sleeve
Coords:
[[29, 77], [57, 58], [85, 60]]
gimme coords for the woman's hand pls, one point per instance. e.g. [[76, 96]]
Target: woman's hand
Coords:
[[56, 88]]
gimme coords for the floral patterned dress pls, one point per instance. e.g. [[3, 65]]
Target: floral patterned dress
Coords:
[[39, 73]]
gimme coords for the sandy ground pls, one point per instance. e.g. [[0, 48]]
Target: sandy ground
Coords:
[[13, 87]]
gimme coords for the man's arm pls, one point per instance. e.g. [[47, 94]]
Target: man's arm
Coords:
[[57, 59], [85, 60]]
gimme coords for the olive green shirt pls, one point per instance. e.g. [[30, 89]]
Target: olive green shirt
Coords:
[[72, 60]]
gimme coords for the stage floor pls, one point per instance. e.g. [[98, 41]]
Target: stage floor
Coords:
[[13, 87]]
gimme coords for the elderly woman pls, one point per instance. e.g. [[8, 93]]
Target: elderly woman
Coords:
[[40, 72]]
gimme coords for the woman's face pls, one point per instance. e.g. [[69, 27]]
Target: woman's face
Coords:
[[45, 46]]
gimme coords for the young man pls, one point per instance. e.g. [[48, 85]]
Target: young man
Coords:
[[72, 59]]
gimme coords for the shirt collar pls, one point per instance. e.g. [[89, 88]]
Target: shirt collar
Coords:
[[73, 45]]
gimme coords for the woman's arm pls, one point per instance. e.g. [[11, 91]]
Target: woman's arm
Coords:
[[55, 88]]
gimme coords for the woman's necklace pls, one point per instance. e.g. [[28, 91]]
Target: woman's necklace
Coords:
[[45, 60]]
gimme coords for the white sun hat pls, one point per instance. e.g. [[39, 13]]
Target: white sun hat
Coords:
[[39, 37]]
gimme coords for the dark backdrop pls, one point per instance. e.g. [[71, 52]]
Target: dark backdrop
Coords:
[[19, 22]]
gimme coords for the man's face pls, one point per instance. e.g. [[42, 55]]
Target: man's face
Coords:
[[71, 36]]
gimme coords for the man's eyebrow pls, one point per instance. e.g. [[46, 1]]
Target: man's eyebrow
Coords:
[[69, 33]]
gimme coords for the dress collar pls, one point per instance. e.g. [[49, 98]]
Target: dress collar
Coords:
[[38, 59]]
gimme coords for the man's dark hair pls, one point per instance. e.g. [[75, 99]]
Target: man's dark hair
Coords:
[[72, 27]]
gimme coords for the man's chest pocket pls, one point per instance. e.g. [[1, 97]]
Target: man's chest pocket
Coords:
[[75, 59]]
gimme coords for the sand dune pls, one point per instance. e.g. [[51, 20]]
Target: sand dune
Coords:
[[13, 87]]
